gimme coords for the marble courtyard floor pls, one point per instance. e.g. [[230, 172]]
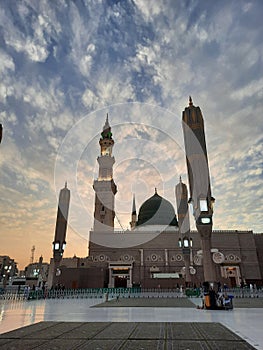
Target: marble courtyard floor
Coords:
[[128, 324]]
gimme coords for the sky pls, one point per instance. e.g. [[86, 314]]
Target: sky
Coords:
[[66, 64]]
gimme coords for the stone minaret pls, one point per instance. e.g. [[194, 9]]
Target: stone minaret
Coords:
[[133, 215], [199, 182], [181, 194], [1, 132], [61, 224], [104, 187], [59, 243]]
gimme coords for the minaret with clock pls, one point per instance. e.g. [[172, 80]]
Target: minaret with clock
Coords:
[[105, 187]]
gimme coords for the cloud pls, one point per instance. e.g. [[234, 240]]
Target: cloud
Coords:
[[65, 62], [253, 88]]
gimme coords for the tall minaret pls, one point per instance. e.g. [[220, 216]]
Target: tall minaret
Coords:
[[61, 224], [185, 241], [104, 187], [59, 243], [199, 182], [1, 132], [133, 215]]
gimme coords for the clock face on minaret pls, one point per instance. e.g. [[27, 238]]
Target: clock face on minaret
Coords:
[[104, 186]]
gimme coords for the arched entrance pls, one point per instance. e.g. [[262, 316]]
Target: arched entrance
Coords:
[[120, 281], [232, 273], [120, 275]]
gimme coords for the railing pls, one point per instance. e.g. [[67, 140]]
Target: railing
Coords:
[[246, 292], [112, 293], [91, 293]]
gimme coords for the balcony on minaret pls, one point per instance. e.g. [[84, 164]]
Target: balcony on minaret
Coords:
[[192, 116]]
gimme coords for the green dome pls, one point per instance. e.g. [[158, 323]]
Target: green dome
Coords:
[[157, 211]]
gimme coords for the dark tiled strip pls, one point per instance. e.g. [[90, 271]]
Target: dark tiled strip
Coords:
[[123, 336]]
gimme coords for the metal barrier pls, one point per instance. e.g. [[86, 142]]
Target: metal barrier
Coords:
[[245, 292], [111, 293]]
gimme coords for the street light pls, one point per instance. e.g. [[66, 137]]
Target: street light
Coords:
[[186, 243], [180, 243]]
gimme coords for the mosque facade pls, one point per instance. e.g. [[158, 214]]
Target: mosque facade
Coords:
[[160, 250]]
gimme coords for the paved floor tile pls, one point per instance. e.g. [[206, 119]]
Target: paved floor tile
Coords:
[[181, 331], [140, 344], [116, 331], [28, 330], [188, 345], [59, 344], [23, 344], [98, 344], [123, 336], [85, 331], [230, 345], [147, 302], [154, 330], [56, 330], [4, 341], [215, 331]]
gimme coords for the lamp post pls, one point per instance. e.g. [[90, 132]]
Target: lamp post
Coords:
[[203, 212], [186, 244]]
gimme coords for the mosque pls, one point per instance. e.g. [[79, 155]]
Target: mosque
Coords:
[[159, 250]]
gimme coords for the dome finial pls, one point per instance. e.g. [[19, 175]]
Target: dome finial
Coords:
[[180, 179], [190, 101], [155, 189], [66, 184]]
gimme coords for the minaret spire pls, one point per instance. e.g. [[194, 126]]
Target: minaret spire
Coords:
[[134, 214], [133, 205], [107, 125]]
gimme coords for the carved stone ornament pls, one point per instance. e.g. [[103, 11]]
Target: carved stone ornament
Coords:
[[232, 258], [101, 258], [218, 257], [154, 269], [155, 257], [127, 257], [177, 257], [192, 270], [198, 260]]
